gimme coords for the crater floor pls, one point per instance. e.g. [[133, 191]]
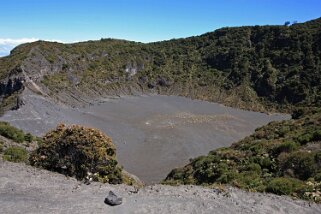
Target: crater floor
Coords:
[[153, 134]]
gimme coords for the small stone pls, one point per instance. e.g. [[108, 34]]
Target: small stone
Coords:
[[112, 199], [88, 181]]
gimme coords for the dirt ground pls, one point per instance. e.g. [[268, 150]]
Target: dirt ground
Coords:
[[24, 189]]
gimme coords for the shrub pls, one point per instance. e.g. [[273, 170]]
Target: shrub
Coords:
[[284, 186], [15, 154], [209, 168], [28, 137], [249, 180], [317, 177], [316, 135], [227, 177], [255, 168], [287, 146], [11, 132], [283, 130], [257, 148], [298, 113], [181, 176], [39, 141], [1, 146], [76, 151], [302, 163], [305, 138]]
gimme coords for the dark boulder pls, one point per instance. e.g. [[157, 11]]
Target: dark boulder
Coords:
[[112, 199]]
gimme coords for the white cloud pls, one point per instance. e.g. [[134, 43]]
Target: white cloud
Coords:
[[7, 44], [16, 41]]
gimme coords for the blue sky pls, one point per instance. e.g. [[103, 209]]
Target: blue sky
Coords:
[[139, 20]]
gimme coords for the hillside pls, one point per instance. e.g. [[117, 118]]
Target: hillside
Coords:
[[259, 68], [283, 158]]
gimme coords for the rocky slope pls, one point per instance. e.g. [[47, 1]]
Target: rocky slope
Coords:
[[24, 189], [260, 67]]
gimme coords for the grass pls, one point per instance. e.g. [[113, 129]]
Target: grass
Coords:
[[15, 154], [8, 103], [13, 133]]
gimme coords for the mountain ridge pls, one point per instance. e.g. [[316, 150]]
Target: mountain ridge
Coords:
[[262, 68]]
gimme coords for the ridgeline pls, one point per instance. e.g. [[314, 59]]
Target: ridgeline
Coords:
[[260, 68]]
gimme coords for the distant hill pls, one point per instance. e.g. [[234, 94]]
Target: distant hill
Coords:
[[253, 67]]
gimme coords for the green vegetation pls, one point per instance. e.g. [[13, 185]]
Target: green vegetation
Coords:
[[259, 67], [79, 151], [8, 102], [285, 186], [13, 133], [1, 146], [15, 154], [281, 157], [59, 81]]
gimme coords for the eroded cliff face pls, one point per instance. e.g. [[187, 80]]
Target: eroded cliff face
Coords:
[[10, 88], [50, 61], [11, 85], [28, 72]]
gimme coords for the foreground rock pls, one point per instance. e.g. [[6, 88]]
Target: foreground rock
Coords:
[[24, 189], [112, 199]]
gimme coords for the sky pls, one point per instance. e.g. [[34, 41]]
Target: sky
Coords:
[[138, 20]]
